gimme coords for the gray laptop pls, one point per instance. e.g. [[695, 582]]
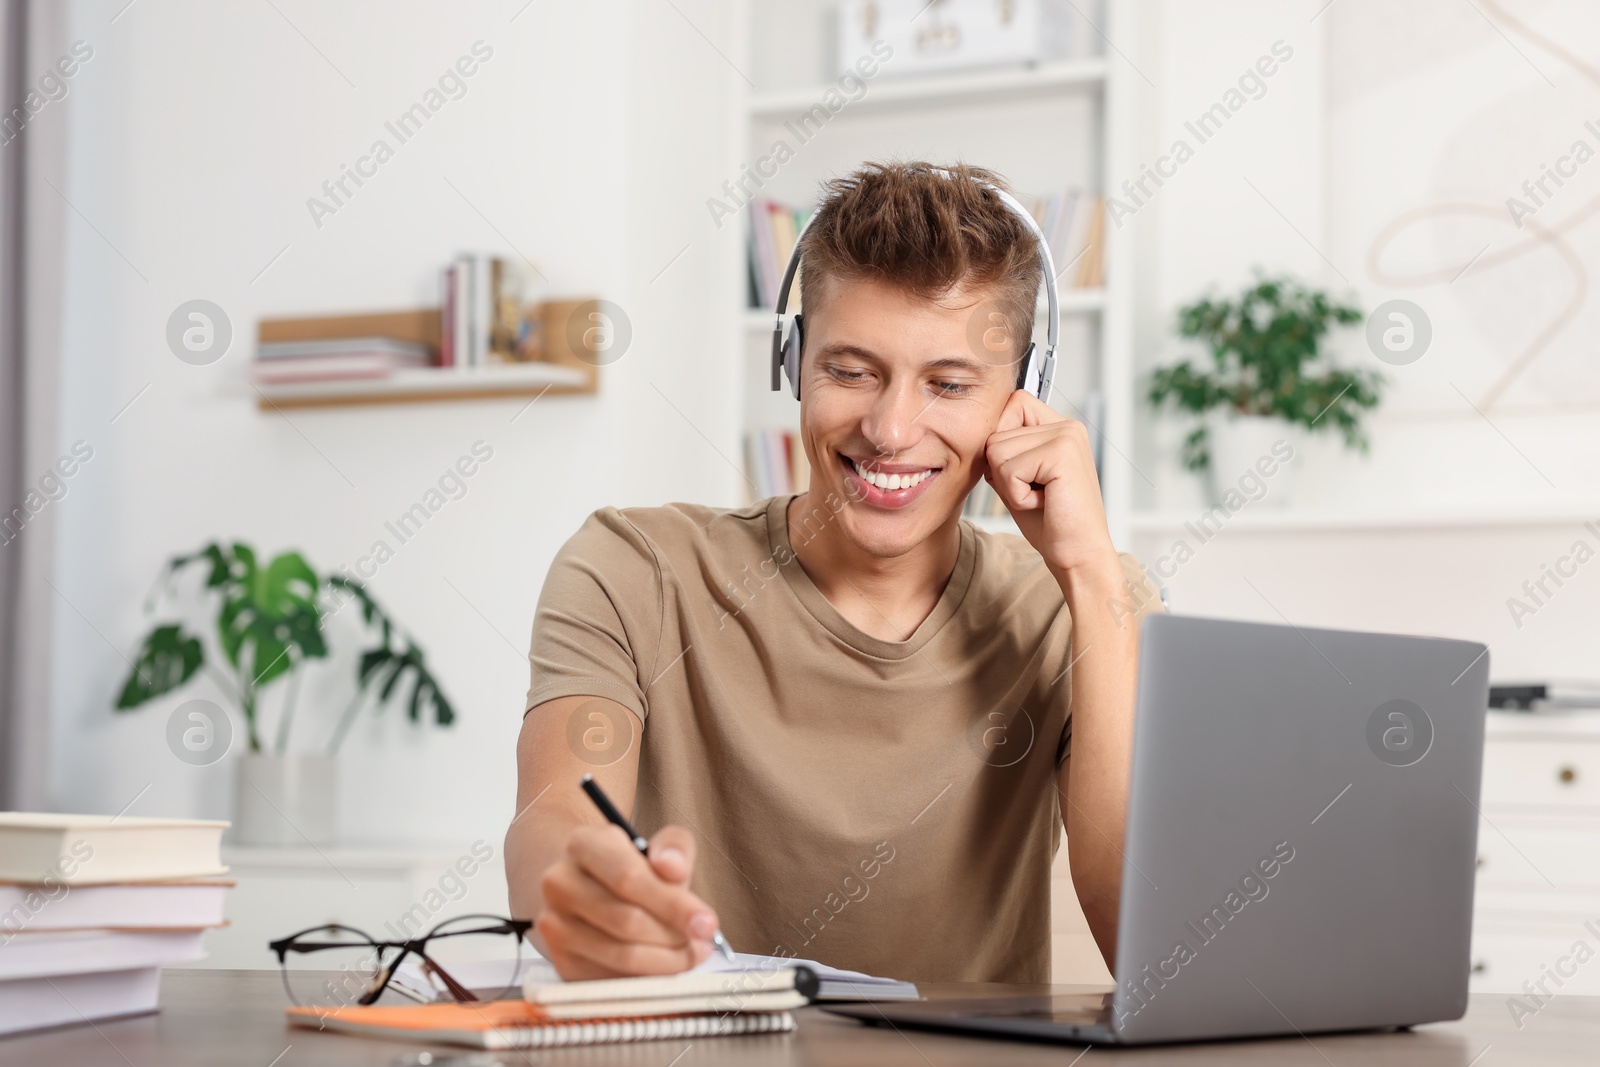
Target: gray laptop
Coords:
[[1301, 840]]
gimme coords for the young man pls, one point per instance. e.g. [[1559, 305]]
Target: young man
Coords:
[[852, 725]]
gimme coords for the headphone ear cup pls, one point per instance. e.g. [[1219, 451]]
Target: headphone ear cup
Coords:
[[791, 354]]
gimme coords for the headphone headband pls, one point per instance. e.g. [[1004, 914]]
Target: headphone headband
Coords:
[[1035, 374]]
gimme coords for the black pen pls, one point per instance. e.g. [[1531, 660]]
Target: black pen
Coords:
[[614, 817]]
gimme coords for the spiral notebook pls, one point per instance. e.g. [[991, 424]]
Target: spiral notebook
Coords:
[[517, 1024], [590, 1013]]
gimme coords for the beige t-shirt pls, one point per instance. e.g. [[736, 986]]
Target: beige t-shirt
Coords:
[[885, 806]]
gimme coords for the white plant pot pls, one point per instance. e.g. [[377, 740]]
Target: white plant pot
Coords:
[[285, 800], [1248, 456]]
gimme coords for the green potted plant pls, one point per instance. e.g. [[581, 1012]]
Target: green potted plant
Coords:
[[1268, 372], [269, 624]]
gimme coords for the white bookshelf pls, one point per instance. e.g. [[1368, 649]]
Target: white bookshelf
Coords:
[[1045, 128], [965, 88], [1073, 302]]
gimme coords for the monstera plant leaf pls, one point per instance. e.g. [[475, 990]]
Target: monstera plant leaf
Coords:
[[383, 667], [269, 618], [168, 659], [269, 622]]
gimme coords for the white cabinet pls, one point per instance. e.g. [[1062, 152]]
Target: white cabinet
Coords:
[[391, 893], [1536, 916], [1525, 767]]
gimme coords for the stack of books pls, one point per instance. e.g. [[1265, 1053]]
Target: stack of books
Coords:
[[776, 461], [1073, 223], [774, 228], [335, 359], [91, 908], [483, 319], [682, 1006]]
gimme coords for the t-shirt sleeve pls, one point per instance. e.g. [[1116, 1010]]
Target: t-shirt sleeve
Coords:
[[1145, 599], [598, 622]]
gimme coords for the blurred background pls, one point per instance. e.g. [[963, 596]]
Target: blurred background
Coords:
[[379, 301]]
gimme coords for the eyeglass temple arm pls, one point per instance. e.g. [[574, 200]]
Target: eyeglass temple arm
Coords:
[[457, 990]]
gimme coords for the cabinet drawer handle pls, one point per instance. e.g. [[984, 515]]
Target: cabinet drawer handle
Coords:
[[1482, 862], [1480, 967], [1567, 775]]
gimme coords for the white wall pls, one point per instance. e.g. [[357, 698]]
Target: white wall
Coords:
[[1385, 110], [587, 142], [590, 141]]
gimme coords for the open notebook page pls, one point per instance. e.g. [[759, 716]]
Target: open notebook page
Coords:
[[487, 977], [749, 961]]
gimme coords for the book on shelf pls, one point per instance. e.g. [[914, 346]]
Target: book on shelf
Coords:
[[1073, 223], [482, 296], [775, 462], [335, 359], [486, 318], [458, 275], [342, 347], [774, 228], [449, 313], [483, 319], [288, 351]]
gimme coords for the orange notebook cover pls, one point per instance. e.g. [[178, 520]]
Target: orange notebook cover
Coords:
[[510, 1024]]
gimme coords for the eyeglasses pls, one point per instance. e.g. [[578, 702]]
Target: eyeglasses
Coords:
[[335, 965]]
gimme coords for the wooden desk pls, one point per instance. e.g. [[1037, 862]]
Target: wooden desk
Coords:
[[212, 1018]]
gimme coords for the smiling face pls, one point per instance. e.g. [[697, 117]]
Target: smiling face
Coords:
[[898, 398]]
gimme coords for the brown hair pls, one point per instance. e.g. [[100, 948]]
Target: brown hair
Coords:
[[911, 226]]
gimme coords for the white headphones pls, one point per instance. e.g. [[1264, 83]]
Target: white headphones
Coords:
[[1034, 375]]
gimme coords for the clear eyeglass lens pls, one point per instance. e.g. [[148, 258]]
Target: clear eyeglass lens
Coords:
[[479, 954], [340, 972]]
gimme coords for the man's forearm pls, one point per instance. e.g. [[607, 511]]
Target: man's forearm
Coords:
[[1103, 677], [533, 844], [549, 804]]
